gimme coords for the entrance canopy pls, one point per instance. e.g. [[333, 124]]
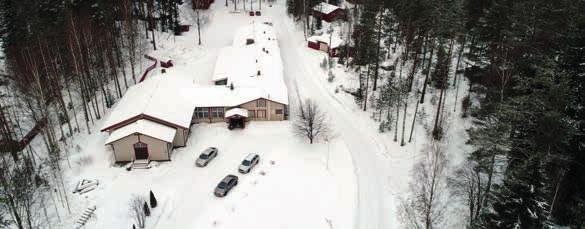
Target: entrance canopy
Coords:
[[236, 112]]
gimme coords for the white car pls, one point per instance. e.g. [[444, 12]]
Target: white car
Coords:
[[248, 163], [205, 157]]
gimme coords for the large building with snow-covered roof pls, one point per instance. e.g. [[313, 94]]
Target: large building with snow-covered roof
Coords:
[[155, 116]]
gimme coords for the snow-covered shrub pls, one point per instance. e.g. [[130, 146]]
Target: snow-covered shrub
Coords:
[[84, 160], [137, 211], [331, 77], [324, 64]]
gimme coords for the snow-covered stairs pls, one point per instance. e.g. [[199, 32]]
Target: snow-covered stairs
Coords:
[[85, 215], [141, 164]]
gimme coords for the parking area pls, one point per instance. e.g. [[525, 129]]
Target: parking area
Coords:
[[292, 180]]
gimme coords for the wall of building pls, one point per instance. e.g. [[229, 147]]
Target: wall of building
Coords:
[[180, 137], [270, 109], [158, 150]]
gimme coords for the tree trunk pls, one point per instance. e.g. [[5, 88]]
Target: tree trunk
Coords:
[[422, 97]]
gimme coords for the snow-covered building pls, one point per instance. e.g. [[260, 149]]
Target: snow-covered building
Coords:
[[327, 12], [326, 43], [155, 116]]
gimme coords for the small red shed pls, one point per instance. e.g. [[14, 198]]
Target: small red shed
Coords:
[[327, 12], [201, 4], [322, 43]]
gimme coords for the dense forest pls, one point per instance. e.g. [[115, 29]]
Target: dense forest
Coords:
[[66, 63], [524, 62]]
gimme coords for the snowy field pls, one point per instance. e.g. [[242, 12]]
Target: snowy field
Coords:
[[290, 188]]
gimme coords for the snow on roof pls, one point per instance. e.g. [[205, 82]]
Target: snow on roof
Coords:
[[335, 40], [236, 111], [254, 65], [255, 70], [164, 96], [325, 8], [145, 127]]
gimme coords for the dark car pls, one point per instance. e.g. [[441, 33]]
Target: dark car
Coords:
[[248, 163], [224, 187]]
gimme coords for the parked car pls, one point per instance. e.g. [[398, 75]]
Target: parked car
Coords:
[[206, 156], [224, 187], [248, 163]]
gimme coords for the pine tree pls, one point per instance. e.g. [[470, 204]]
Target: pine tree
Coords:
[[153, 202], [146, 209]]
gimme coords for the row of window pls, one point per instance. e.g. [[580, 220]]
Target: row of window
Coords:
[[203, 112]]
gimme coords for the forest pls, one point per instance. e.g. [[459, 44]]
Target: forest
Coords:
[[524, 62], [63, 58]]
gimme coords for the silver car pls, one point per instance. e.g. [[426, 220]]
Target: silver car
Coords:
[[248, 163], [206, 156]]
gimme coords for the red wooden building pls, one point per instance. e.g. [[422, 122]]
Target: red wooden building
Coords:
[[322, 43], [201, 4], [327, 12]]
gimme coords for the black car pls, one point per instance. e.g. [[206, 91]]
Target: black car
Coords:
[[228, 182]]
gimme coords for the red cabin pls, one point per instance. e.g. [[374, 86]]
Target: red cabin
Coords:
[[201, 4], [322, 43], [327, 12]]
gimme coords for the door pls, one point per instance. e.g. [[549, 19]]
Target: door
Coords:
[[140, 151], [261, 114]]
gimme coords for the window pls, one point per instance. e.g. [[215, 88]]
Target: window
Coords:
[[202, 112], [261, 103], [217, 112], [278, 111], [251, 114]]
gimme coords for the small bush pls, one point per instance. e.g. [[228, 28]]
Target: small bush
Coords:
[[331, 77], [84, 160], [153, 202], [324, 64]]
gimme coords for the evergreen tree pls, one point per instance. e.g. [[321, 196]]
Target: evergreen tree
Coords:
[[153, 202], [146, 209]]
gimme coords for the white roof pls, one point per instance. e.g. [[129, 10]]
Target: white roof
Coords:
[[236, 111], [325, 8], [172, 97], [335, 40], [165, 97], [241, 63], [144, 127]]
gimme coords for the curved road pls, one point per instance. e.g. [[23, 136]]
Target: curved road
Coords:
[[374, 205]]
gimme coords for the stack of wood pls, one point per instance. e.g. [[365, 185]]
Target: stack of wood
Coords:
[[85, 186], [85, 215]]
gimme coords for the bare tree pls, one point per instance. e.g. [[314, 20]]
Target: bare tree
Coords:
[[137, 211], [311, 121], [426, 207], [467, 184]]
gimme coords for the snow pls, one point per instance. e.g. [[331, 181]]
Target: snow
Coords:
[[145, 127], [256, 65], [325, 8], [165, 96], [325, 38], [236, 111]]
